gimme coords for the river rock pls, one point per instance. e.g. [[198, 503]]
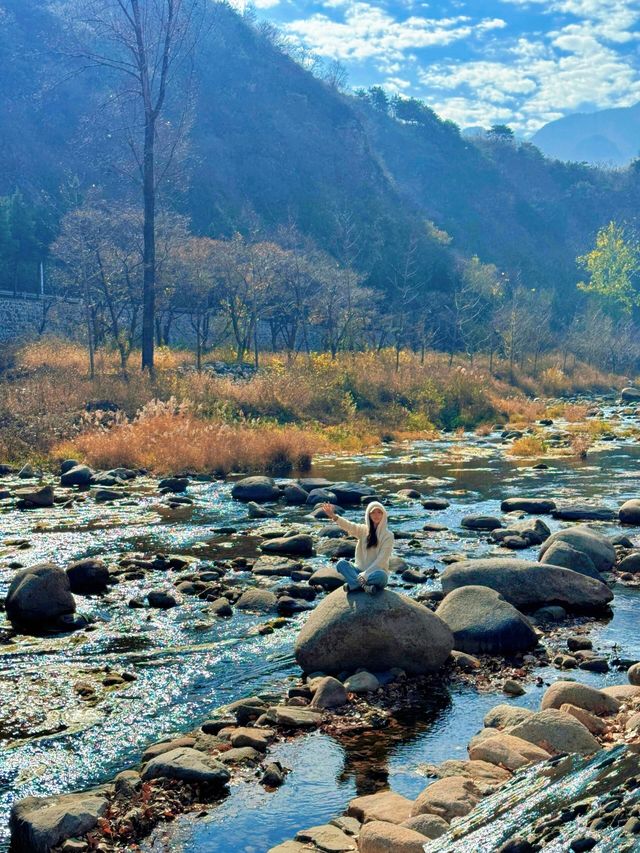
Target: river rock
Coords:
[[633, 674], [327, 578], [351, 494], [337, 548], [35, 498], [39, 595], [258, 489], [291, 717], [328, 838], [351, 630], [450, 797], [630, 395], [481, 522], [321, 496], [528, 585], [298, 545], [40, 823], [574, 693], [274, 566], [409, 494], [429, 825], [629, 512], [295, 494], [88, 576], [556, 732], [506, 750], [435, 503], [385, 806], [534, 506], [583, 538], [564, 555], [256, 511], [161, 600], [631, 563], [80, 475], [361, 682], [220, 607], [329, 693], [482, 622], [595, 725], [502, 716], [187, 765], [533, 530], [584, 512], [260, 600], [382, 837]]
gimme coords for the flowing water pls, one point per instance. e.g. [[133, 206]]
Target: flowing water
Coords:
[[186, 665]]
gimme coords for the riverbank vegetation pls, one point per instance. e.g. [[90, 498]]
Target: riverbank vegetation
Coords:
[[232, 417]]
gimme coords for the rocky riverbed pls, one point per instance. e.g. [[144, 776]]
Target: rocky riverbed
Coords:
[[178, 598]]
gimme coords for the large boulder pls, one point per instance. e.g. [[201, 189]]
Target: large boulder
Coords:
[[567, 557], [534, 506], [588, 541], [629, 512], [482, 622], [387, 806], [556, 732], [88, 576], [38, 596], [254, 598], [529, 585], [259, 489], [80, 475], [351, 630], [39, 824], [581, 695]]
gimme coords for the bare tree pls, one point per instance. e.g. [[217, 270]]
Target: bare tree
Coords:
[[146, 44]]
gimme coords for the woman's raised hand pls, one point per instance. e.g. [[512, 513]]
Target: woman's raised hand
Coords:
[[329, 509]]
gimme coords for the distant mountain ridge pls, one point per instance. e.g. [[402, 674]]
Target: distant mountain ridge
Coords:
[[605, 137]]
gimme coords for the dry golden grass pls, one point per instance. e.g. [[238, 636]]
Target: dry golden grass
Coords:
[[166, 442], [528, 446], [580, 444], [352, 401]]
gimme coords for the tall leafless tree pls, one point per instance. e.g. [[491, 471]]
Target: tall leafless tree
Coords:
[[148, 45]]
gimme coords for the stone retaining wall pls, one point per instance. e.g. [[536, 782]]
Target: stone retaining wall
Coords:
[[24, 318]]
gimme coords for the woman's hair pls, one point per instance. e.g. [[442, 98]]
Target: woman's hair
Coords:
[[372, 536]]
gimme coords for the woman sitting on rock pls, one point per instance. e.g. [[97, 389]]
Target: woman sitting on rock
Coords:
[[373, 551]]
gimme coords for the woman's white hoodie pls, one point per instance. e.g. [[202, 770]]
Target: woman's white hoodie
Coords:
[[369, 559]]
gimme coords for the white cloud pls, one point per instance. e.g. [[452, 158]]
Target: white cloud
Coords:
[[367, 32]]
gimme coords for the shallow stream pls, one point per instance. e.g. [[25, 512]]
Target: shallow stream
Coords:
[[186, 664]]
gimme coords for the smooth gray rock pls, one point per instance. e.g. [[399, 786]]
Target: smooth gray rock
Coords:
[[482, 622], [534, 506], [299, 545], [629, 512], [31, 498], [481, 522], [351, 494], [528, 585], [630, 563], [329, 693], [565, 555], [556, 731], [39, 595], [533, 530], [351, 630], [328, 578], [258, 489], [186, 764], [295, 494], [254, 598], [40, 823], [584, 512], [630, 395], [587, 540], [79, 476]]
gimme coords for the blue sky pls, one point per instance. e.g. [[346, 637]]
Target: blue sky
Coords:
[[521, 62]]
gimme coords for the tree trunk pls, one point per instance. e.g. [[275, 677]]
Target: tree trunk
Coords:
[[149, 251]]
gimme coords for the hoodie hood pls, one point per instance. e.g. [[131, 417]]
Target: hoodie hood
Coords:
[[382, 530]]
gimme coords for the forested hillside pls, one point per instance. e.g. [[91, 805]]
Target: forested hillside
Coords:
[[384, 187]]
